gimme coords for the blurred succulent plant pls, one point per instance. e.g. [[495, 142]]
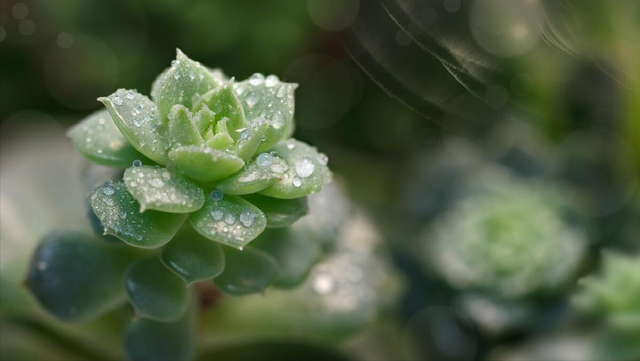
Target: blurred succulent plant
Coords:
[[508, 238], [208, 148]]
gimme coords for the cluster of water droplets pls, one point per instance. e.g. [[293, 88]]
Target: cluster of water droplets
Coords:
[[117, 211], [156, 187], [275, 95]]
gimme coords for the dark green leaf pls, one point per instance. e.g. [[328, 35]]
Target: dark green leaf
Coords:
[[120, 214], [75, 278], [279, 212], [155, 291], [246, 272], [193, 257]]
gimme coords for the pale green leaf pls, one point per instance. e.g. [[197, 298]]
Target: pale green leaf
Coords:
[[246, 272], [182, 127], [158, 189], [193, 257], [224, 102], [137, 118], [231, 221], [202, 163], [120, 214], [307, 171], [279, 212], [250, 139], [154, 291], [252, 178], [272, 100], [99, 139], [183, 83]]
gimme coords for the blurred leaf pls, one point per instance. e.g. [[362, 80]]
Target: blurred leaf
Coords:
[[279, 212], [75, 278], [270, 99], [120, 214], [158, 189], [306, 174], [137, 118], [246, 272], [231, 221], [155, 291], [99, 139], [205, 164], [194, 258]]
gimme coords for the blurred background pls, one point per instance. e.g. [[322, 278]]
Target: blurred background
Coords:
[[493, 147]]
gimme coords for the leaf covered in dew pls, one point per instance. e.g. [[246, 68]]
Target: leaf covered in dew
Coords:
[[295, 251], [307, 171], [251, 138], [279, 212], [193, 257], [120, 214], [270, 99], [137, 118], [76, 278], [205, 164], [229, 220], [224, 102], [183, 83], [182, 127], [147, 339], [257, 175], [154, 291], [158, 189], [99, 139], [246, 272]]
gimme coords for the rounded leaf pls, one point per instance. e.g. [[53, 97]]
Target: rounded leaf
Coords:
[[150, 340], [246, 272], [120, 214], [295, 251], [99, 139], [183, 83], [270, 99], [231, 221], [157, 188], [307, 171], [251, 179], [154, 291], [224, 102], [75, 278], [205, 164], [279, 212], [193, 257], [137, 118]]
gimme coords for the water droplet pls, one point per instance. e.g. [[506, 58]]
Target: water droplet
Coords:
[[117, 100], [101, 121], [108, 189], [192, 76], [252, 100], [304, 167], [264, 138], [176, 75], [279, 166], [291, 146], [247, 218], [256, 79], [166, 175], [137, 163], [130, 96], [175, 63], [217, 195], [230, 219], [265, 159], [217, 214], [297, 182], [323, 159], [271, 81], [323, 284]]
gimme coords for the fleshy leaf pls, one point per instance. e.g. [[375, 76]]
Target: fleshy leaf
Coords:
[[99, 139], [120, 214], [307, 171], [254, 177], [279, 212], [205, 119], [222, 140], [246, 272], [231, 221], [224, 102], [272, 100], [137, 118], [294, 250], [193, 257], [155, 291], [182, 128], [149, 340], [251, 138], [205, 164], [183, 83], [158, 189], [75, 278]]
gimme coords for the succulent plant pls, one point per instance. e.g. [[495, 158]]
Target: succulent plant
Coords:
[[507, 237], [206, 148]]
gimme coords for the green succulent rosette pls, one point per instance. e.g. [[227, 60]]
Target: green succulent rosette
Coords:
[[202, 148]]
